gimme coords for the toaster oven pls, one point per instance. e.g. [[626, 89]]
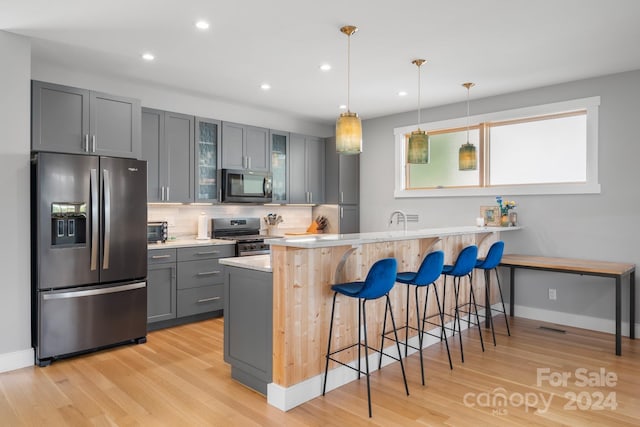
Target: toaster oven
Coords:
[[157, 231]]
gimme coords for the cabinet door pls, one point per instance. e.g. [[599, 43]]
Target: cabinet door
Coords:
[[257, 149], [349, 179], [152, 152], [207, 162], [178, 133], [161, 292], [349, 219], [59, 118], [315, 169], [115, 126], [297, 170], [280, 166], [232, 146]]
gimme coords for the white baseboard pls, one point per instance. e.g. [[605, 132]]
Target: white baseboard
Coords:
[[570, 319], [16, 360]]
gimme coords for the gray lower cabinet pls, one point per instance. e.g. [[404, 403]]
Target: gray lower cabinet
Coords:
[[306, 169], [168, 147], [71, 120], [161, 285], [248, 326], [185, 281], [349, 219]]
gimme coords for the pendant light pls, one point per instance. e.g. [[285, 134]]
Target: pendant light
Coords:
[[467, 157], [418, 151], [348, 125]]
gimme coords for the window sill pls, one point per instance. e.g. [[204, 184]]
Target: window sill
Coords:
[[512, 190]]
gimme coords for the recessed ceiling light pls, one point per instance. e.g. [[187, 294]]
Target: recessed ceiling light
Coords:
[[202, 25], [402, 93], [148, 56], [342, 107], [325, 67], [265, 86]]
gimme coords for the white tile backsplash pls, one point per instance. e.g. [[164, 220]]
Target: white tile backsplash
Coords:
[[183, 219]]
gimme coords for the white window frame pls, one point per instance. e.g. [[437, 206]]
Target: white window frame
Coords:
[[591, 186]]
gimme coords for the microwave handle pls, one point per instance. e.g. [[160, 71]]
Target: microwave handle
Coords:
[[266, 185]]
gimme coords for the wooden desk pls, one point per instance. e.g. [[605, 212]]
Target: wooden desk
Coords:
[[615, 270]]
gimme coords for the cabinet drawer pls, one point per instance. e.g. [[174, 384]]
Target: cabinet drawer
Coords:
[[193, 274], [161, 256], [206, 252], [200, 300]]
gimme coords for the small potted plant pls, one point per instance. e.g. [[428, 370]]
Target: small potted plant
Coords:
[[509, 217]]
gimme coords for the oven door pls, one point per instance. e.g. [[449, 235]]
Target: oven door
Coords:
[[241, 186]]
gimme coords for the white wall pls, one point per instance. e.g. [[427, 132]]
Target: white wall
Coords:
[[170, 99], [603, 226], [15, 113]]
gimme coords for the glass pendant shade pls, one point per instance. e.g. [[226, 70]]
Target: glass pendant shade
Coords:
[[418, 151], [467, 157], [349, 134]]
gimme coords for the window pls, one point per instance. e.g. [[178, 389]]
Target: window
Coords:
[[548, 149]]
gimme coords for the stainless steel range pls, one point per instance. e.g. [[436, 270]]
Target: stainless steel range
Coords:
[[245, 231]]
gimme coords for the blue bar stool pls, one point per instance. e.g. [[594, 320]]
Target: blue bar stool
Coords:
[[426, 276], [488, 264], [379, 282], [464, 265]]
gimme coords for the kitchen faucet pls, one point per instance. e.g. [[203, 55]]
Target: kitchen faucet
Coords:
[[404, 218]]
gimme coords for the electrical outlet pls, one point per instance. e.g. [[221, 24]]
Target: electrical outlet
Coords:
[[552, 294]]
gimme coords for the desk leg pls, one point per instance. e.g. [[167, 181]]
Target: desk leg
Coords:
[[632, 305], [618, 315], [512, 277]]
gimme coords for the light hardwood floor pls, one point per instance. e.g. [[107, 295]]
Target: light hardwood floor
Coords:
[[179, 378]]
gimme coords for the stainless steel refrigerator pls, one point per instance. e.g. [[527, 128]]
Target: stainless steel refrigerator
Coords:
[[89, 253]]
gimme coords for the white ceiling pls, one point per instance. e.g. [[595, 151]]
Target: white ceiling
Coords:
[[501, 45]]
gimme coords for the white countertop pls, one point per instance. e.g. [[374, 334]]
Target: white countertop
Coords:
[[252, 262], [189, 242], [328, 240]]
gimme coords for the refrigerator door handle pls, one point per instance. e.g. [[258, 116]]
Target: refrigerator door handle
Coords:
[[107, 219], [93, 292], [94, 218]]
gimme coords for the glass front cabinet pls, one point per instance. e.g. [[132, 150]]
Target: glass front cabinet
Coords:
[[280, 166], [207, 160]]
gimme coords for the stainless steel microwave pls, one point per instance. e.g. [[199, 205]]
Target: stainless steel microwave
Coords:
[[245, 186]]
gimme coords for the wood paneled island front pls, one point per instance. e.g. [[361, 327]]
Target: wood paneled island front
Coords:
[[305, 267]]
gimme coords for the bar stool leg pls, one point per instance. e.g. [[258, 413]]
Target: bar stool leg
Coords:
[[504, 311], [456, 289], [366, 353], [406, 324], [489, 311], [420, 330], [475, 307], [393, 324], [441, 312], [326, 366], [383, 337]]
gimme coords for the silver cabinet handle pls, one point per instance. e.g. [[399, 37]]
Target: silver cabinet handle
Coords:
[[107, 219], [86, 143], [248, 162], [93, 143], [341, 212], [220, 195], [208, 299], [168, 197], [160, 256], [207, 253], [341, 197], [310, 197], [93, 184], [208, 273]]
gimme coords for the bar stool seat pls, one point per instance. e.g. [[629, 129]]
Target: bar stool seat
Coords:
[[463, 266], [379, 281], [488, 264]]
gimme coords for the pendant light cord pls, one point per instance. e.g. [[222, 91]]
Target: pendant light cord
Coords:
[[348, 73], [419, 90], [468, 89]]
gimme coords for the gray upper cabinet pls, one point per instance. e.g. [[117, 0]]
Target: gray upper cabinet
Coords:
[[207, 162], [342, 176], [168, 148], [77, 121], [280, 166], [306, 169], [245, 147]]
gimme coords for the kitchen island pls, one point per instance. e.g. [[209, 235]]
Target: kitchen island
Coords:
[[305, 267]]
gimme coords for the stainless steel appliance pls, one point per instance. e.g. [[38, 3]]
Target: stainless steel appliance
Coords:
[[89, 253], [246, 233], [157, 231], [242, 186]]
